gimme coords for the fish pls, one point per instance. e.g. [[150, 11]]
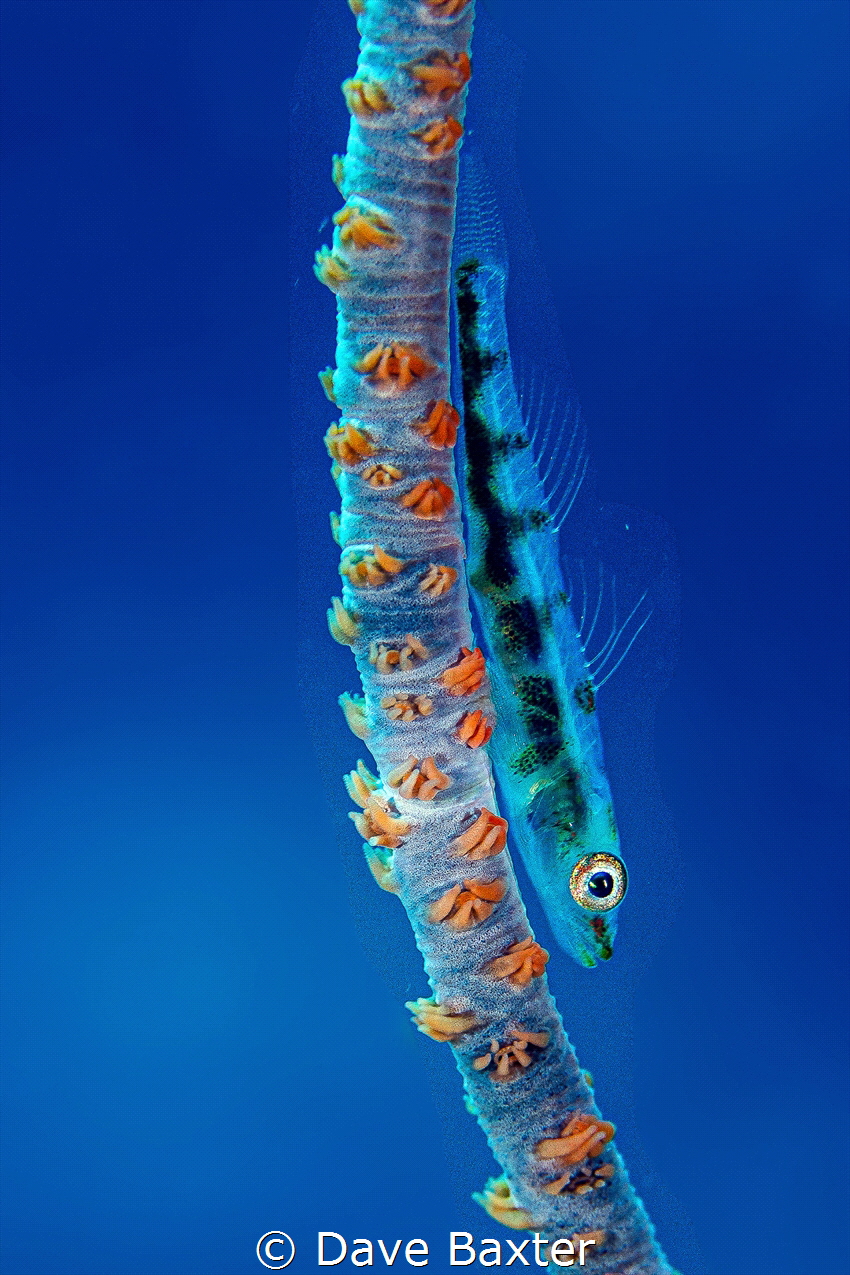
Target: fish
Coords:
[[547, 747]]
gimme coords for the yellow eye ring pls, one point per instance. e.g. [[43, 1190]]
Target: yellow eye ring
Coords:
[[598, 882]]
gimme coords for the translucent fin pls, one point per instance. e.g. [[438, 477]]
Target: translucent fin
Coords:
[[600, 681], [622, 633], [600, 593], [558, 437], [479, 233], [583, 598]]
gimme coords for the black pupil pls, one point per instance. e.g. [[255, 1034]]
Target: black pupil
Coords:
[[600, 885]]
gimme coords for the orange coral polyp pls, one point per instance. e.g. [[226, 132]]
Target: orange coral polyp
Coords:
[[442, 76], [461, 907], [326, 380], [388, 658], [338, 172], [582, 1137], [331, 270], [581, 1183], [365, 98], [354, 711], [342, 624], [440, 137], [485, 837], [497, 1200], [446, 8], [369, 570], [379, 826], [382, 475], [407, 708], [509, 1060], [438, 1021], [382, 871], [365, 228], [360, 784], [347, 444], [394, 366], [474, 729], [430, 499], [421, 780], [467, 674], [437, 580], [521, 963], [439, 428]]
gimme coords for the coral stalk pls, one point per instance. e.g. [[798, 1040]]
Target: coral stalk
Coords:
[[429, 816]]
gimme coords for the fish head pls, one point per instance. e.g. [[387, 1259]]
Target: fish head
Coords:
[[582, 897]]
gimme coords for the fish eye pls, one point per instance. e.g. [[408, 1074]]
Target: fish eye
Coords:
[[598, 882]]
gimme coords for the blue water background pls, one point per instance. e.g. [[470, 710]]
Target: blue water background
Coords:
[[203, 1030]]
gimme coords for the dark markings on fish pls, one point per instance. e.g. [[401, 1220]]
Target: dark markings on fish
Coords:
[[541, 713], [526, 762], [585, 696], [538, 519], [476, 365], [507, 443], [541, 710], [605, 949], [519, 628]]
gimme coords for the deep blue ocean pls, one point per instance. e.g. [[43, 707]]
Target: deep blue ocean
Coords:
[[204, 1031]]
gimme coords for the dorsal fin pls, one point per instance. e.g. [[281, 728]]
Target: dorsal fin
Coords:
[[558, 435], [479, 233], [594, 613], [547, 403]]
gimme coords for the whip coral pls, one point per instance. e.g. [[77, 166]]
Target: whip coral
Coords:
[[430, 811]]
